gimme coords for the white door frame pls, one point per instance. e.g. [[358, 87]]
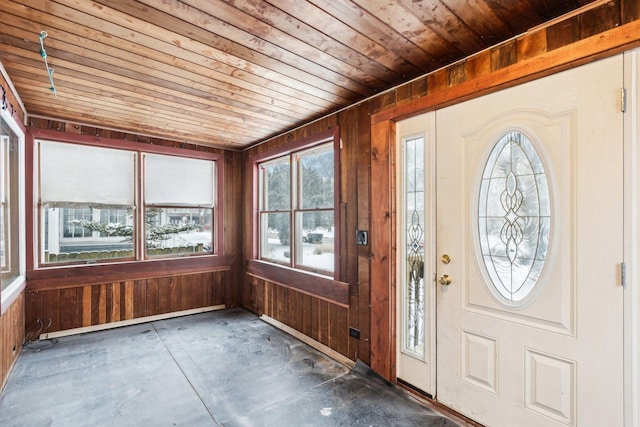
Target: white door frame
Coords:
[[632, 238]]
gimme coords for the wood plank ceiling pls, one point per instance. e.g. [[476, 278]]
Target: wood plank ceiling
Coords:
[[235, 72]]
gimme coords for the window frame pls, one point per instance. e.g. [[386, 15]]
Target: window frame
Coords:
[[42, 275], [147, 204], [296, 207], [325, 286], [13, 289]]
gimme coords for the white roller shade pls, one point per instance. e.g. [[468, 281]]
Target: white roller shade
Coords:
[[178, 181], [73, 173]]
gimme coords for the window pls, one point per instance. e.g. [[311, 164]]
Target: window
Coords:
[[297, 216], [514, 217], [178, 201], [89, 197], [77, 182], [10, 224]]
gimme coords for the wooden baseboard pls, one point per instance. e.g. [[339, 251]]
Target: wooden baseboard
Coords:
[[310, 341], [129, 322]]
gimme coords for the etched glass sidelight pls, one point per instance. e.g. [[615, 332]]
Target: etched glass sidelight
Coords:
[[514, 216], [414, 298]]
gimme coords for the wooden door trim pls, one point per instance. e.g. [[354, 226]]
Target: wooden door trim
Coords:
[[383, 253]]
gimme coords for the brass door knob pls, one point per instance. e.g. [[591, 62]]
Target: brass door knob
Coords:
[[445, 280]]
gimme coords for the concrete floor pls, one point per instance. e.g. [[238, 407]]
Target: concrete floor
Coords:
[[218, 368]]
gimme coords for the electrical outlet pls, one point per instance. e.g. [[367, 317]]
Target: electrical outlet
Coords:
[[355, 333], [361, 237]]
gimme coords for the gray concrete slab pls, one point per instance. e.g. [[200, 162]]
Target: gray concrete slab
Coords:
[[219, 368]]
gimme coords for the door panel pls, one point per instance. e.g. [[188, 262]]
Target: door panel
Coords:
[[416, 230], [536, 360]]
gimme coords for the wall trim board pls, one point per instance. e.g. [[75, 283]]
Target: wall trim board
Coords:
[[130, 322], [324, 288], [61, 278]]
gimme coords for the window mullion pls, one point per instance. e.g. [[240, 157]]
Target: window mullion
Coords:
[[295, 197]]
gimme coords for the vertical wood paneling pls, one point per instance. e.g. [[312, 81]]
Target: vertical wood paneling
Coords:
[[197, 292], [382, 137], [501, 57], [79, 307], [4, 330], [50, 308], [176, 293], [323, 319], [114, 315], [630, 10], [187, 292], [95, 305], [235, 189], [363, 191], [128, 300], [152, 298], [139, 298], [563, 33], [33, 308], [476, 66], [531, 45], [307, 322], [600, 19], [68, 303], [86, 306], [164, 298], [12, 332], [315, 319], [104, 303]]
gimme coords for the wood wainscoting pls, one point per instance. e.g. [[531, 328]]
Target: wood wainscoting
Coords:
[[321, 320], [103, 303], [11, 337]]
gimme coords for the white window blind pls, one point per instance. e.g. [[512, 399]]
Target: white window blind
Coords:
[[178, 181], [72, 173]]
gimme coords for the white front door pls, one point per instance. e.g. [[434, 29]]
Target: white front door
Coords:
[[529, 211]]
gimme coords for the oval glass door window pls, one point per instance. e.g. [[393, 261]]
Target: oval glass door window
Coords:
[[514, 217]]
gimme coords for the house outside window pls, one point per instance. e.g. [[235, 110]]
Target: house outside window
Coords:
[[297, 216]]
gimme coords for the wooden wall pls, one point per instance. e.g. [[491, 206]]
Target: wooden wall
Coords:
[[367, 198], [124, 292], [320, 319], [102, 303], [11, 337], [12, 317]]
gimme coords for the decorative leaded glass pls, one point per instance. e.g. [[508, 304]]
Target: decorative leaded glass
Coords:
[[414, 286], [514, 216]]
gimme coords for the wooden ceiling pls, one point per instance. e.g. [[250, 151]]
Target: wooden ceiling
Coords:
[[232, 73]]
